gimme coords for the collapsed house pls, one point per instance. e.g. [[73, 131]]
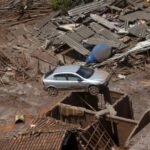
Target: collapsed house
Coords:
[[102, 129], [82, 121]]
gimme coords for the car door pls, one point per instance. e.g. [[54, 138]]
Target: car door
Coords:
[[60, 81], [74, 81]]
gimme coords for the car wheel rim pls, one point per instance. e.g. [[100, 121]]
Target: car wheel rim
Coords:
[[93, 90], [52, 91]]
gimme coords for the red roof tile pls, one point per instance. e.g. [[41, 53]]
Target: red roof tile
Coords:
[[48, 134]]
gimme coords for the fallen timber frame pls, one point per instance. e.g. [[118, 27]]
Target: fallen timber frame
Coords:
[[114, 123]]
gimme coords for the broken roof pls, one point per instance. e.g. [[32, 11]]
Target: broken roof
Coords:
[[47, 133]]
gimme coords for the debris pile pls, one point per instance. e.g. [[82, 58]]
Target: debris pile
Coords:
[[18, 11], [122, 25], [20, 59], [115, 33]]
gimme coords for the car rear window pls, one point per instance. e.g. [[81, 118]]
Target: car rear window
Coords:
[[49, 73], [85, 72]]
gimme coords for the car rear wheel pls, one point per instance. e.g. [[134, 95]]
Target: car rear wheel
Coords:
[[93, 90], [52, 91]]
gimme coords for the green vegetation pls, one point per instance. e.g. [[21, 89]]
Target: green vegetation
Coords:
[[64, 5]]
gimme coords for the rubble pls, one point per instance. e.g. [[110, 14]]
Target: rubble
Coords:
[[5, 79], [97, 26], [27, 51]]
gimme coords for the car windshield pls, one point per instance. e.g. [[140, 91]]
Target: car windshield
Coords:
[[85, 72]]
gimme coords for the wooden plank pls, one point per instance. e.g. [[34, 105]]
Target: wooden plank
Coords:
[[90, 139], [86, 141], [100, 138], [114, 8], [65, 51]]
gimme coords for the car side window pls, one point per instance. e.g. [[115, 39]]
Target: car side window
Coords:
[[60, 77], [72, 77]]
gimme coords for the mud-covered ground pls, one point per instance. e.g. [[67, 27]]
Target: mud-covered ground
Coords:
[[27, 99]]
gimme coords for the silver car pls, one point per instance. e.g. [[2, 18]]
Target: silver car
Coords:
[[75, 77]]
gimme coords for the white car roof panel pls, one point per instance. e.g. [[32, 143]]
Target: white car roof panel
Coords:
[[67, 68]]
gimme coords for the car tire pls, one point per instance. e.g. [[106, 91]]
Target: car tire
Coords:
[[93, 90], [52, 91]]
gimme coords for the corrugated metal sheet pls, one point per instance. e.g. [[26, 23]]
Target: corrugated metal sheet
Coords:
[[83, 9], [103, 31], [84, 32], [45, 22], [137, 15], [48, 134], [75, 45], [103, 22], [101, 40], [48, 31], [139, 30], [114, 41], [75, 36]]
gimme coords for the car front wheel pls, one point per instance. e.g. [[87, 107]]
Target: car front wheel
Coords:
[[93, 90], [52, 91]]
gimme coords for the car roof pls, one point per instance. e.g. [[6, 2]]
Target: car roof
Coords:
[[67, 68]]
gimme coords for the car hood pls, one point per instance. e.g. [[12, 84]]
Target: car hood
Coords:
[[101, 76]]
